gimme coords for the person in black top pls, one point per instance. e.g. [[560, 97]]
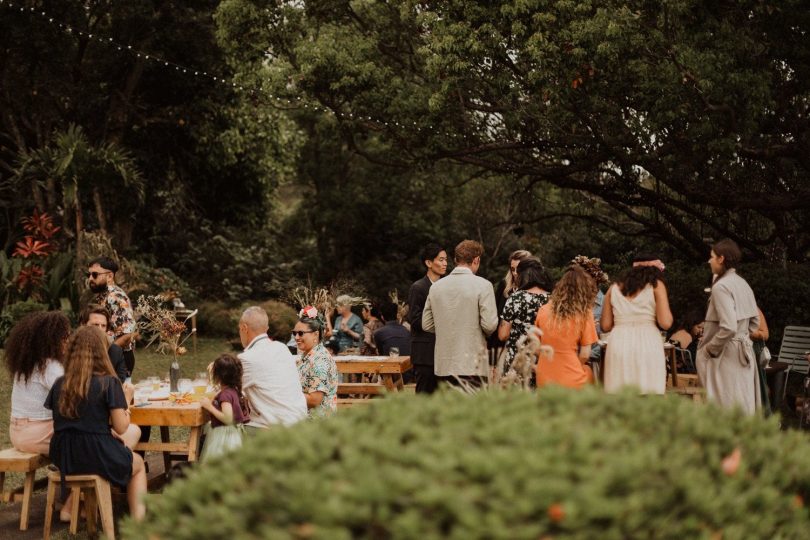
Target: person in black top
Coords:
[[85, 401], [392, 334], [423, 343], [98, 316]]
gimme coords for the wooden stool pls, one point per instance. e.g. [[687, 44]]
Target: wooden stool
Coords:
[[12, 460], [97, 496]]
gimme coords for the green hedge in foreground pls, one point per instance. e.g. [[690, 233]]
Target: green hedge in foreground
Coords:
[[556, 464]]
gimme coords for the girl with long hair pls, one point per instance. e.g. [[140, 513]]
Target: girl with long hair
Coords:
[[635, 310], [726, 363], [85, 401], [568, 328], [35, 350], [228, 408]]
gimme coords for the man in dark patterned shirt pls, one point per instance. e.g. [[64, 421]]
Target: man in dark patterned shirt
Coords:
[[101, 280]]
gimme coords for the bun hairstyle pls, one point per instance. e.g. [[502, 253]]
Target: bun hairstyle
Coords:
[[311, 317], [730, 251]]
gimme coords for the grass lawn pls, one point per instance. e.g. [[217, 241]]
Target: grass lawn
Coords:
[[147, 363]]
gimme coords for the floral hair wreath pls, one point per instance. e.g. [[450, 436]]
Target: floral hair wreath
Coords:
[[593, 266]]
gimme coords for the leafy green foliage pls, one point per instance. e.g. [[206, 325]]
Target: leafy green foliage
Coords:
[[16, 311], [558, 463]]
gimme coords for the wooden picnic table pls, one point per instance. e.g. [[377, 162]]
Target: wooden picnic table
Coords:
[[389, 368], [166, 414]]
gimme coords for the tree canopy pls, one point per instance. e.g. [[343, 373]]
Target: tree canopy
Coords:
[[688, 119]]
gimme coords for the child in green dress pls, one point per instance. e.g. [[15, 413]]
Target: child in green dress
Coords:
[[228, 408]]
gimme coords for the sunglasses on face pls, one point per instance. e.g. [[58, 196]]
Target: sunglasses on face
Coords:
[[300, 333], [95, 275]]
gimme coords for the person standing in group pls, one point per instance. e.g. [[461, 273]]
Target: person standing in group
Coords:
[[269, 376], [726, 364], [101, 280], [461, 310], [520, 310], [635, 310], [505, 288], [348, 329], [316, 368], [423, 343], [569, 329]]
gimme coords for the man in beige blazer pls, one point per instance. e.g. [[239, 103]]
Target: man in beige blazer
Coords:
[[461, 311]]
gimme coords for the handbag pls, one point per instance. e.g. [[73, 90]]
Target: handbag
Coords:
[[764, 357]]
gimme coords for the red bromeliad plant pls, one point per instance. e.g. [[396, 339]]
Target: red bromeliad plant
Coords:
[[35, 247]]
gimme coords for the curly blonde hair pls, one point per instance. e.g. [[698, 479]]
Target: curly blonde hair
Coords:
[[573, 296]]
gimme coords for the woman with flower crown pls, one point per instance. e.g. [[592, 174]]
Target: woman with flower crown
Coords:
[[636, 309], [316, 367]]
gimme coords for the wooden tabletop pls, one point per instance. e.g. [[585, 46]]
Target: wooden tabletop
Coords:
[[373, 364], [166, 413]]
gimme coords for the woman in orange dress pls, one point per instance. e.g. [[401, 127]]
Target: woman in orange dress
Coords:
[[568, 328]]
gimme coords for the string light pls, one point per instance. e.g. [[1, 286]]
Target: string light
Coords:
[[254, 92]]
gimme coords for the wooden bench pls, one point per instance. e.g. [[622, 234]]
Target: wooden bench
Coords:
[[97, 497], [361, 389], [12, 460], [345, 403]]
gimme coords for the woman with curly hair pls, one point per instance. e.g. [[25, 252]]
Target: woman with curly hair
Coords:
[[93, 434], [635, 311], [35, 349], [568, 327]]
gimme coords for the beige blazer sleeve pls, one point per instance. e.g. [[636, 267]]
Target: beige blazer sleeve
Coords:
[[427, 317], [488, 309]]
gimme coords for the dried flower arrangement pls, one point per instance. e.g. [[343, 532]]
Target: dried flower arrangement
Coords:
[[161, 325]]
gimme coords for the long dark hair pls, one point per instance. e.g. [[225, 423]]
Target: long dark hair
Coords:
[[34, 340], [639, 277], [531, 273], [227, 372]]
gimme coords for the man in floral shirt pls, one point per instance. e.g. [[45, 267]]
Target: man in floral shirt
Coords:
[[101, 280]]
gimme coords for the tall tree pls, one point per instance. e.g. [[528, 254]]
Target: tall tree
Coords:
[[688, 118]]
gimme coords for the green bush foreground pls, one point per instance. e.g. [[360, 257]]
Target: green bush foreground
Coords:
[[556, 464]]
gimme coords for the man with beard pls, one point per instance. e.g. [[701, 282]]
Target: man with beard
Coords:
[[423, 343], [101, 280]]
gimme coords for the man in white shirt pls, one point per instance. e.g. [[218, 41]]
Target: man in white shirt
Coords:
[[270, 378], [461, 310]]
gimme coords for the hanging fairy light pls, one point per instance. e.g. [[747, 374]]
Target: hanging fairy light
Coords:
[[220, 80]]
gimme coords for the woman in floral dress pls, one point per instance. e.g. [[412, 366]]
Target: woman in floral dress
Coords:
[[316, 367], [521, 307]]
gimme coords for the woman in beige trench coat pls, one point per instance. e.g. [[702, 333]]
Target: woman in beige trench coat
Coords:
[[726, 363]]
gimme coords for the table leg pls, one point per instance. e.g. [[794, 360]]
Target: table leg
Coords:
[[673, 366], [388, 381], [167, 456], [193, 443]]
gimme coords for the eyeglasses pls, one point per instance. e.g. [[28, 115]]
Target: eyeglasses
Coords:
[[300, 333], [94, 275]]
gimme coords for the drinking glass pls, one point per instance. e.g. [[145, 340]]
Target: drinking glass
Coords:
[[185, 385], [154, 383], [393, 352]]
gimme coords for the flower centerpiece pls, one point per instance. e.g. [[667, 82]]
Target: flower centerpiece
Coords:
[[161, 325]]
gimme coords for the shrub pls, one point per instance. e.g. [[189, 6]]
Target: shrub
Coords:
[[14, 312], [217, 319], [557, 463], [281, 319]]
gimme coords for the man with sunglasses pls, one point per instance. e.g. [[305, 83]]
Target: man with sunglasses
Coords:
[[101, 281]]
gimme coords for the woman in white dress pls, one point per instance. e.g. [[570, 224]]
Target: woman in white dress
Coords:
[[635, 310]]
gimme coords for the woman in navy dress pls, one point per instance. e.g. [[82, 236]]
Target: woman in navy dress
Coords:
[[84, 402]]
